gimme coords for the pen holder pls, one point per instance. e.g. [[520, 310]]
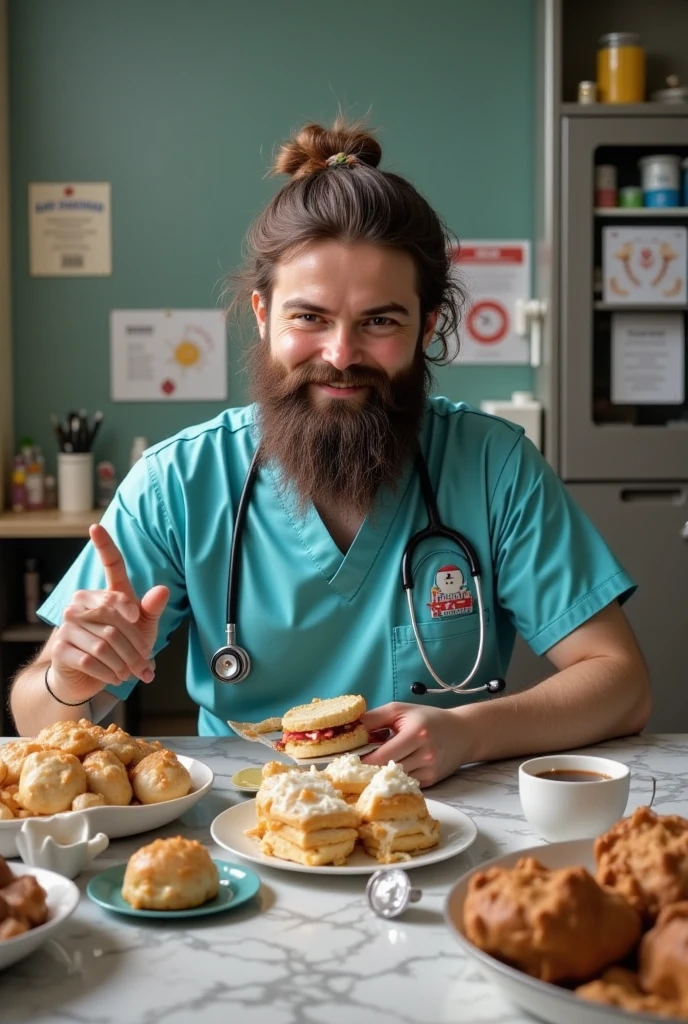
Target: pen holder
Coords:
[[75, 481]]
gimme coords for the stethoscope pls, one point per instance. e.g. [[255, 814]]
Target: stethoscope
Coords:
[[232, 663]]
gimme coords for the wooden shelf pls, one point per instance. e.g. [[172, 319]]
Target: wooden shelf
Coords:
[[26, 633], [49, 523], [625, 109], [641, 211]]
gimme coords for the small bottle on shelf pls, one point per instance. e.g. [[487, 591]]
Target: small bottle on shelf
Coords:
[[18, 497]]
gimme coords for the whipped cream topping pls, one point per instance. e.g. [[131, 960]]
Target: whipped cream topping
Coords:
[[305, 795], [391, 780], [348, 768]]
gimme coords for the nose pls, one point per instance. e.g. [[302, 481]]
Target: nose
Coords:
[[341, 348]]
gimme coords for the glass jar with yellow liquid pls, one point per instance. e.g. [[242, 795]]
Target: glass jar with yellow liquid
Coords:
[[620, 68]]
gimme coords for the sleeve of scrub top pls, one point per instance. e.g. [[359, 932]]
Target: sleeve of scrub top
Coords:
[[139, 524], [553, 571]]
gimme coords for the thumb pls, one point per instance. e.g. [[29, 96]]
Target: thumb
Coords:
[[153, 604]]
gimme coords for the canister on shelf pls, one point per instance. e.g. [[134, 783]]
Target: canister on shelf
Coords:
[[605, 185], [587, 92], [660, 176], [620, 68], [631, 196], [674, 92]]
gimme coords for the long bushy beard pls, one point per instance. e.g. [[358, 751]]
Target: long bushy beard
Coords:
[[339, 452]]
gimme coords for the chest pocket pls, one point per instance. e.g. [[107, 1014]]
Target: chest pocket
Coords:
[[451, 645]]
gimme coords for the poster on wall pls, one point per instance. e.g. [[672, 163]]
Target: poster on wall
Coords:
[[494, 275], [168, 355], [70, 231]]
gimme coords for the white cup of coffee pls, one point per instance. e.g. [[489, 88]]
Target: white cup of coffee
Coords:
[[572, 796]]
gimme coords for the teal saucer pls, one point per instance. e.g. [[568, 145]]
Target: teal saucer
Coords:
[[237, 885]]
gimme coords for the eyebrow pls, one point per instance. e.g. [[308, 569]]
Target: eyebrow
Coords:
[[310, 307]]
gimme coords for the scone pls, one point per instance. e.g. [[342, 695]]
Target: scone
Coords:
[[349, 775], [13, 755], [170, 874], [395, 820], [304, 819], [119, 743], [324, 727], [160, 777], [76, 738], [107, 776], [49, 781]]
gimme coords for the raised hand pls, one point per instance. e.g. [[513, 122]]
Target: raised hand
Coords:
[[107, 635]]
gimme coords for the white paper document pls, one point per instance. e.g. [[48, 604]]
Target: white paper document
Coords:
[[168, 355], [494, 274], [648, 355], [70, 229]]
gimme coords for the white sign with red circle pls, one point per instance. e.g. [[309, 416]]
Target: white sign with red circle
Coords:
[[494, 274]]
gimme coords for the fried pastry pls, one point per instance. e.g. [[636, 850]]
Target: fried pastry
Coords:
[[663, 955], [83, 801], [49, 781], [13, 755], [160, 777], [107, 776], [144, 748], [645, 858], [349, 775], [170, 874], [558, 926], [120, 743], [76, 738], [3, 769], [620, 987], [5, 813]]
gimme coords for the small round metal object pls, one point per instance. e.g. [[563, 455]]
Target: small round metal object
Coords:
[[389, 892]]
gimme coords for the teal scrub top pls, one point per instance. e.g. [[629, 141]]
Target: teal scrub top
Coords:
[[317, 622]]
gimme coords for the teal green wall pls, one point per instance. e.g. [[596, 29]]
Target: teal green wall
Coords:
[[179, 104]]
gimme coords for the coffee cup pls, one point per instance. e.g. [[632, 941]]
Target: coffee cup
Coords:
[[573, 796]]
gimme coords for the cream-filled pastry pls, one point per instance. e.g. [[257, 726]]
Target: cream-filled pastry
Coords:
[[349, 775], [170, 874], [49, 781]]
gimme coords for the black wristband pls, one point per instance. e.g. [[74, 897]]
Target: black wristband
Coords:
[[67, 703]]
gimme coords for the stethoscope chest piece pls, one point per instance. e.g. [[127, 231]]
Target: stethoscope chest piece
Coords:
[[389, 892], [231, 664]]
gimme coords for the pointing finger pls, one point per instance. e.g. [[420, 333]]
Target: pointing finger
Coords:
[[116, 577]]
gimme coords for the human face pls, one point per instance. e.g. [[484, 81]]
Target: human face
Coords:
[[351, 310]]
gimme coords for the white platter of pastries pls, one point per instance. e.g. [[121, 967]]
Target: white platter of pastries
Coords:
[[33, 904], [124, 785], [346, 819]]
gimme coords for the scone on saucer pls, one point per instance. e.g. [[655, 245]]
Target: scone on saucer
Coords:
[[395, 820], [324, 727], [170, 874], [349, 775], [302, 818]]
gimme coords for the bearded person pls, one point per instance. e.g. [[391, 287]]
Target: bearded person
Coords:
[[348, 532]]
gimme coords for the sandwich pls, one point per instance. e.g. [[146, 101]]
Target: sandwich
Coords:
[[324, 727]]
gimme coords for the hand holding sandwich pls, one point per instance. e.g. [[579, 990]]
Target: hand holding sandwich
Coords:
[[427, 741]]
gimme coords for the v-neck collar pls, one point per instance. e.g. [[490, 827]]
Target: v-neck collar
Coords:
[[345, 573]]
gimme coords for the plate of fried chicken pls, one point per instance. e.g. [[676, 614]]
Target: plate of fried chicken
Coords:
[[585, 931]]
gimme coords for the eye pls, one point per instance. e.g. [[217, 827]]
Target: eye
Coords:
[[382, 321]]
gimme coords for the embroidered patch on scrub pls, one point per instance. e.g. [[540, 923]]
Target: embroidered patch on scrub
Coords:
[[449, 594]]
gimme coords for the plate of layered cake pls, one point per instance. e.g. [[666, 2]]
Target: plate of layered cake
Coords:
[[349, 818]]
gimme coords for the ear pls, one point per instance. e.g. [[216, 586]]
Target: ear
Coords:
[[429, 329], [260, 311]]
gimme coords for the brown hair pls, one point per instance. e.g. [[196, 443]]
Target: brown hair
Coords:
[[353, 202]]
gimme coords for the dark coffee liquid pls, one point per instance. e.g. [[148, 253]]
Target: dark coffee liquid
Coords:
[[572, 775]]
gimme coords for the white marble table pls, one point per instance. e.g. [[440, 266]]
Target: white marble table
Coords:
[[307, 950]]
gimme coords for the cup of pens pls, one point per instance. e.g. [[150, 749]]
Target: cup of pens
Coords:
[[75, 469]]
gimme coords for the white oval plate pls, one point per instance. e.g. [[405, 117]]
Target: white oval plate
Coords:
[[457, 832], [116, 822], [543, 1000], [62, 899]]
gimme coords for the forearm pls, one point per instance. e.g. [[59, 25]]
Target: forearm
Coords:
[[33, 707], [593, 700]]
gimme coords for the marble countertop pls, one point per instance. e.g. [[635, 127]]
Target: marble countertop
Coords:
[[307, 950]]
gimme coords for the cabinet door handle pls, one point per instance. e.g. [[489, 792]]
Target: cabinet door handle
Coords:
[[684, 531]]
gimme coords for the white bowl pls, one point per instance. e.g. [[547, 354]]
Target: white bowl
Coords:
[[62, 899], [116, 822], [559, 811]]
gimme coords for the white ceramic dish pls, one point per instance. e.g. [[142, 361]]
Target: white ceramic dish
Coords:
[[128, 821], [457, 833], [62, 900], [543, 1000]]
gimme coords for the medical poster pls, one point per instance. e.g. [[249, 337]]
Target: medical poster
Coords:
[[644, 265], [494, 275], [70, 229], [168, 355], [648, 352]]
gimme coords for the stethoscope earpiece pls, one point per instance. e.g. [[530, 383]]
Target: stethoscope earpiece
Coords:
[[495, 685], [419, 689]]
